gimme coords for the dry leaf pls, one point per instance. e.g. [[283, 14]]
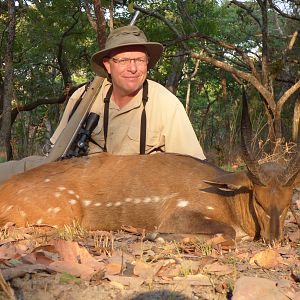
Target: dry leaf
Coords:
[[216, 240], [294, 236], [83, 271], [170, 270], [113, 268], [72, 252], [133, 230], [218, 269], [143, 270], [195, 280], [117, 285], [266, 259], [132, 282], [8, 253], [21, 270], [37, 258]]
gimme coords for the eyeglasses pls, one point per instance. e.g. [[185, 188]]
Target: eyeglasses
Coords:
[[140, 61]]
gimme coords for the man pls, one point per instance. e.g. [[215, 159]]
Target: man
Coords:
[[125, 61], [137, 116]]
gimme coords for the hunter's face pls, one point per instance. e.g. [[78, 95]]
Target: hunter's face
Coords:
[[128, 69]]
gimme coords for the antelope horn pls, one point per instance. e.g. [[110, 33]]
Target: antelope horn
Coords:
[[246, 139]]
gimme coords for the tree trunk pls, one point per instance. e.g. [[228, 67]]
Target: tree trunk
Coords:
[[5, 133], [188, 93], [100, 23], [296, 121], [174, 77]]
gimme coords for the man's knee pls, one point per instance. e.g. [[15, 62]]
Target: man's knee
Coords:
[[13, 167]]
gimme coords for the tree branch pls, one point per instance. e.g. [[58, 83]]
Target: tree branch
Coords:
[[247, 9], [279, 11], [87, 8], [160, 17], [246, 76], [43, 101], [287, 94]]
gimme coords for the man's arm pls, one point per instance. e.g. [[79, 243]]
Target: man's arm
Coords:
[[180, 136]]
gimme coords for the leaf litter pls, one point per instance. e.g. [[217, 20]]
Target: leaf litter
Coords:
[[44, 263]]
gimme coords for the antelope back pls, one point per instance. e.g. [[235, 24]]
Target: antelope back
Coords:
[[104, 191]]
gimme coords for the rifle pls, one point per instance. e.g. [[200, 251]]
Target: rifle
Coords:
[[79, 146], [76, 130]]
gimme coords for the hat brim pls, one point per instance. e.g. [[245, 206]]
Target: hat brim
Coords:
[[154, 51]]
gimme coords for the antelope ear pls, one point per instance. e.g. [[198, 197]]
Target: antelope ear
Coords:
[[231, 181]]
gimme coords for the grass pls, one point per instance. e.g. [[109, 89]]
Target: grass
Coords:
[[103, 242], [203, 247], [72, 232], [185, 269]]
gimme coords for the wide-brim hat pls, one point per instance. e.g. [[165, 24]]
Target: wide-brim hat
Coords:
[[126, 36]]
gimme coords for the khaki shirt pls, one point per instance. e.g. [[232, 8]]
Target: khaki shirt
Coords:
[[168, 126]]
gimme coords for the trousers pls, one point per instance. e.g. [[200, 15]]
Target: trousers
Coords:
[[14, 167]]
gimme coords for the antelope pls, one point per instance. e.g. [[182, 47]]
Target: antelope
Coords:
[[164, 193]]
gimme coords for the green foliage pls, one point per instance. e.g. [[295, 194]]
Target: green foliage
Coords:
[[49, 31]]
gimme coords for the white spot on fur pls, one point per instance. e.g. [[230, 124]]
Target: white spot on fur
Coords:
[[23, 214], [109, 204], [210, 207], [57, 194], [72, 201], [118, 203], [77, 196], [137, 200], [47, 180], [128, 199], [9, 207], [87, 202], [97, 204], [61, 188], [71, 192], [207, 218], [182, 203], [147, 200], [39, 221], [56, 209], [156, 198]]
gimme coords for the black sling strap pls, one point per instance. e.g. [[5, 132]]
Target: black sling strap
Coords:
[[143, 117], [106, 115], [79, 100]]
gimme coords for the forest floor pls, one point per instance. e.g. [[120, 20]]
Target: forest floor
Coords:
[[43, 263]]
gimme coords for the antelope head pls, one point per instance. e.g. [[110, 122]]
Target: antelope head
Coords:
[[271, 184]]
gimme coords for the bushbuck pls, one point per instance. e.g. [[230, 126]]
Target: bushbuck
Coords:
[[165, 193]]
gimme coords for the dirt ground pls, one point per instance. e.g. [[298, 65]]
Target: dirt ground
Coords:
[[45, 264]]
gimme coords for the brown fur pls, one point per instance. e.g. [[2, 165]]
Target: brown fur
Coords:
[[160, 192]]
